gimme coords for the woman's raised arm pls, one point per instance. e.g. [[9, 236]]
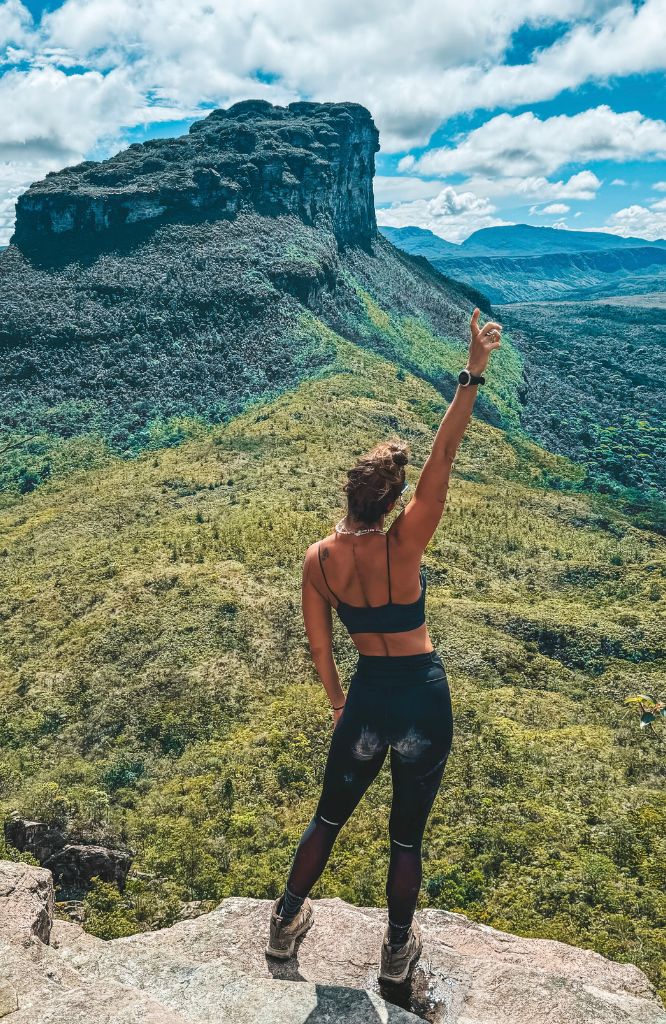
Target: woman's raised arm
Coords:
[[422, 514]]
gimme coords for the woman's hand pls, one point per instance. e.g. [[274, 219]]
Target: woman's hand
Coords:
[[337, 715], [483, 341]]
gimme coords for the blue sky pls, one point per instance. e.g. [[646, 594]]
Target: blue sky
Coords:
[[542, 111]]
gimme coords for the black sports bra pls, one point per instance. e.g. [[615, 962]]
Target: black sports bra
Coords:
[[391, 617]]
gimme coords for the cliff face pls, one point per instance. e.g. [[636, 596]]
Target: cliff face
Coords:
[[214, 969], [312, 160], [181, 277]]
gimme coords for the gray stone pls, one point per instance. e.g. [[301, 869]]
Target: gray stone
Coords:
[[214, 969], [72, 865], [26, 901], [8, 999], [75, 865], [35, 837]]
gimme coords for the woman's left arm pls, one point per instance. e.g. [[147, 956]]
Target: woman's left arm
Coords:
[[318, 621]]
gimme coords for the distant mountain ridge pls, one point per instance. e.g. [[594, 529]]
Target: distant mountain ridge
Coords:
[[523, 262], [517, 238]]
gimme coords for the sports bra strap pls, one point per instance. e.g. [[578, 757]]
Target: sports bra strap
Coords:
[[324, 574], [388, 567]]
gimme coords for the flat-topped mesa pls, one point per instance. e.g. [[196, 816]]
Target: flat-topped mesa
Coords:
[[313, 160]]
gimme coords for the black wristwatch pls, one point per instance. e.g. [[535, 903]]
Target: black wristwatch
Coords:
[[465, 378]]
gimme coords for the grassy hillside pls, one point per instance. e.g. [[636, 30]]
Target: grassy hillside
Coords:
[[157, 691]]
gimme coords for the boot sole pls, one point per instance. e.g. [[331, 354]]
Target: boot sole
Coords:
[[284, 954], [396, 979]]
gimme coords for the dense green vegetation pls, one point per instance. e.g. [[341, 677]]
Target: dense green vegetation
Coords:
[[596, 376], [157, 690], [135, 347]]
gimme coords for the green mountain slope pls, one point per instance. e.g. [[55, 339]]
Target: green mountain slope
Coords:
[[157, 689], [197, 321], [596, 374]]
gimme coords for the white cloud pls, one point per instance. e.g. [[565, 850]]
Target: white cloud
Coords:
[[552, 209], [413, 64], [582, 185], [97, 67], [525, 145], [639, 221], [660, 186], [450, 214], [618, 181], [403, 187], [15, 23], [400, 188]]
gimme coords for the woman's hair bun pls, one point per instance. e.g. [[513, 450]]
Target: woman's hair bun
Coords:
[[376, 480]]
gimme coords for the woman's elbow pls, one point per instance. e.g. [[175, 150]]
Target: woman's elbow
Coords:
[[320, 649]]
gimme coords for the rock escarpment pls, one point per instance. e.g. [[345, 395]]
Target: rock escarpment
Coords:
[[188, 277], [312, 160], [214, 969], [72, 864]]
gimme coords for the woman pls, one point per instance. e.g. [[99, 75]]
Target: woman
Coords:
[[398, 696]]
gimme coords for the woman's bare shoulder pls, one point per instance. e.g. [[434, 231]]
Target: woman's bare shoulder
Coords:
[[313, 549]]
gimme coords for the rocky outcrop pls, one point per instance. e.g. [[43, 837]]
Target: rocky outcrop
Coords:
[[73, 865], [214, 969], [26, 901], [35, 837], [313, 160]]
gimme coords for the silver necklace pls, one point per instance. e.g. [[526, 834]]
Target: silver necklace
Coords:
[[340, 528]]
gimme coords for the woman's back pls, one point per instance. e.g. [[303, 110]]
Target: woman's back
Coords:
[[377, 590]]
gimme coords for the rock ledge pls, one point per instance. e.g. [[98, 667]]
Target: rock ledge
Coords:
[[213, 969]]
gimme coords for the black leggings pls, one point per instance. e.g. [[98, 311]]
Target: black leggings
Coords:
[[402, 702]]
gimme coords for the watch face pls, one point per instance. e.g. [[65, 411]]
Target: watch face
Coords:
[[464, 377]]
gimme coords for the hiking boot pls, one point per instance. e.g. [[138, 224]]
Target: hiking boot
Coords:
[[398, 964], [283, 936]]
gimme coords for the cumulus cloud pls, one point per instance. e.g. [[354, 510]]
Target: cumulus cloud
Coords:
[[618, 181], [450, 214], [15, 24], [527, 145], [90, 69], [413, 64], [660, 186], [640, 221], [399, 188], [550, 210], [582, 185]]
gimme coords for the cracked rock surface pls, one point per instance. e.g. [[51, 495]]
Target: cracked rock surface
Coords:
[[213, 968]]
